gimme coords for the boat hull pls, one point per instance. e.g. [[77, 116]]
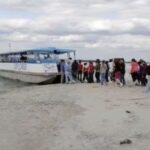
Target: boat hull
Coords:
[[36, 78], [30, 72]]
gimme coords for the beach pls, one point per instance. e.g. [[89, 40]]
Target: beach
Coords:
[[74, 117]]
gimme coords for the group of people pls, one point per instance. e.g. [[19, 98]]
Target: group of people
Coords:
[[104, 71], [140, 72]]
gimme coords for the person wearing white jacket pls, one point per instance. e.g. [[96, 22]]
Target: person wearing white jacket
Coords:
[[103, 69], [68, 72]]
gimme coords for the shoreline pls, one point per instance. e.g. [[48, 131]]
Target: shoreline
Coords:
[[74, 117]]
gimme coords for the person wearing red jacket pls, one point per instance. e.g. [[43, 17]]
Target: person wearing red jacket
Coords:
[[90, 72]]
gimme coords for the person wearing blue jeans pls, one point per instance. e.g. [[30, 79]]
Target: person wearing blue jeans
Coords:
[[103, 78]]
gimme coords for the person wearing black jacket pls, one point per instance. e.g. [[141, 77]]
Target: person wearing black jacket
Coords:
[[107, 71], [142, 72], [75, 69], [117, 73], [122, 70]]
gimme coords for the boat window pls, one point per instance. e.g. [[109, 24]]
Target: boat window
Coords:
[[31, 58], [34, 56], [46, 57], [56, 58], [11, 58], [17, 58], [42, 56], [23, 57], [37, 56], [5, 58], [1, 58], [49, 56]]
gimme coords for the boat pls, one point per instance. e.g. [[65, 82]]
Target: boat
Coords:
[[38, 65]]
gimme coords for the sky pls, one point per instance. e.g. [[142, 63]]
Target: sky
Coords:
[[94, 28]]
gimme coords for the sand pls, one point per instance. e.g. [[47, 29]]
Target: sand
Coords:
[[75, 117]]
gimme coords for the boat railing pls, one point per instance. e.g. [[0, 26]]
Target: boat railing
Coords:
[[28, 60], [47, 55]]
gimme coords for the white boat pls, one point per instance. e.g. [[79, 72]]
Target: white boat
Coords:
[[32, 65]]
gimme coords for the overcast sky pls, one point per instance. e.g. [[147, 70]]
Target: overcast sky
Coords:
[[95, 28]]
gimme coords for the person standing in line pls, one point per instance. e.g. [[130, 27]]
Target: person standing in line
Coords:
[[85, 72], [103, 69], [111, 69], [75, 69], [107, 71], [122, 70], [147, 89], [80, 69], [97, 71], [134, 71], [68, 72], [142, 72], [62, 70], [90, 72], [117, 72]]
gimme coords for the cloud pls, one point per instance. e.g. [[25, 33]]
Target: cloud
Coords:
[[84, 24]]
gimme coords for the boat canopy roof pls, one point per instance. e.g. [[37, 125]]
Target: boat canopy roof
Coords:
[[53, 50]]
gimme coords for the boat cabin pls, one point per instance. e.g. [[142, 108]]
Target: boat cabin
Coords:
[[38, 55]]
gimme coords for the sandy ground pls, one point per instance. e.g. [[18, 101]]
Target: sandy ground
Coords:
[[74, 117]]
